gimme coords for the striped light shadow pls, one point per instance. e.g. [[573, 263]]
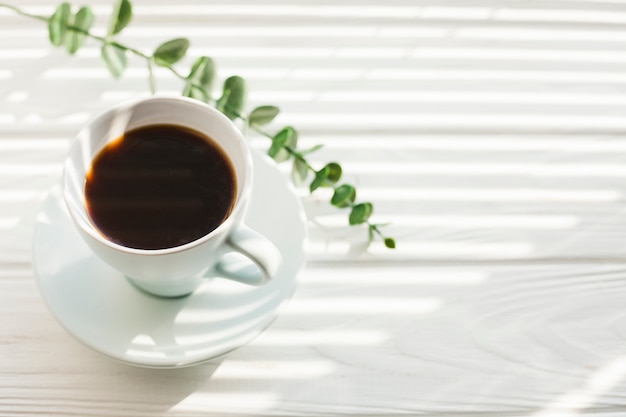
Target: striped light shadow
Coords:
[[16, 273], [388, 276], [265, 52], [344, 337], [354, 12], [73, 73], [259, 73], [362, 305], [30, 169], [453, 250], [473, 97], [225, 403], [307, 53], [6, 118], [456, 13], [326, 74], [370, 53], [9, 33], [588, 15], [251, 74], [250, 31], [400, 31], [77, 118], [242, 370], [42, 144], [467, 120], [200, 339], [424, 249], [283, 96], [400, 12], [141, 72], [13, 196], [521, 54], [9, 222], [23, 53], [469, 74], [47, 10], [199, 317], [480, 169], [493, 195], [120, 95], [522, 222], [531, 33], [474, 143], [16, 97]]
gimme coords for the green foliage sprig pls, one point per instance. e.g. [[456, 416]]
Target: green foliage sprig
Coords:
[[70, 29]]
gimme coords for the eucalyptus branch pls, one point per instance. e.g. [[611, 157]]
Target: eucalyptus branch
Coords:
[[69, 29], [344, 195]]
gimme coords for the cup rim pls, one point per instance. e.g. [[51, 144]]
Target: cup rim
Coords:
[[243, 184]]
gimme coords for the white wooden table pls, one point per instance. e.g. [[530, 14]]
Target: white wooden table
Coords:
[[489, 133]]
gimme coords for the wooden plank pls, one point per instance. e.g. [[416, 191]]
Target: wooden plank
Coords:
[[490, 135], [488, 340]]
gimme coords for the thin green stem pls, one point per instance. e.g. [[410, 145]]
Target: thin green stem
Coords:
[[377, 231], [23, 13], [132, 50], [151, 80]]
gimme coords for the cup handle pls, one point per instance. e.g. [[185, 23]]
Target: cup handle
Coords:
[[261, 259]]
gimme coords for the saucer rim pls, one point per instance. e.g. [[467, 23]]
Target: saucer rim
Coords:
[[150, 363]]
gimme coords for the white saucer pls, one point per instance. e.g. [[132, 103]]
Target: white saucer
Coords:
[[103, 310]]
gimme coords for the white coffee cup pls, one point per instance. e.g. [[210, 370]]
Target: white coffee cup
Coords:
[[174, 271]]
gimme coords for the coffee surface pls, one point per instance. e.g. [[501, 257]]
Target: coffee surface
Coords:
[[159, 186]]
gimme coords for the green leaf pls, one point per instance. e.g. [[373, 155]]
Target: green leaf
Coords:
[[300, 171], [170, 52], [196, 92], [320, 179], [233, 99], [390, 243], [202, 73], [360, 213], [82, 22], [57, 24], [334, 172], [278, 142], [313, 149], [200, 79], [288, 136], [123, 13], [344, 196], [263, 115], [326, 176], [115, 59]]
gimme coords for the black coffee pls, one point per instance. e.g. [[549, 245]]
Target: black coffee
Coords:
[[159, 186]]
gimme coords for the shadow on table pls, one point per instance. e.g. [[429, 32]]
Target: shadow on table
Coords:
[[146, 391]]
